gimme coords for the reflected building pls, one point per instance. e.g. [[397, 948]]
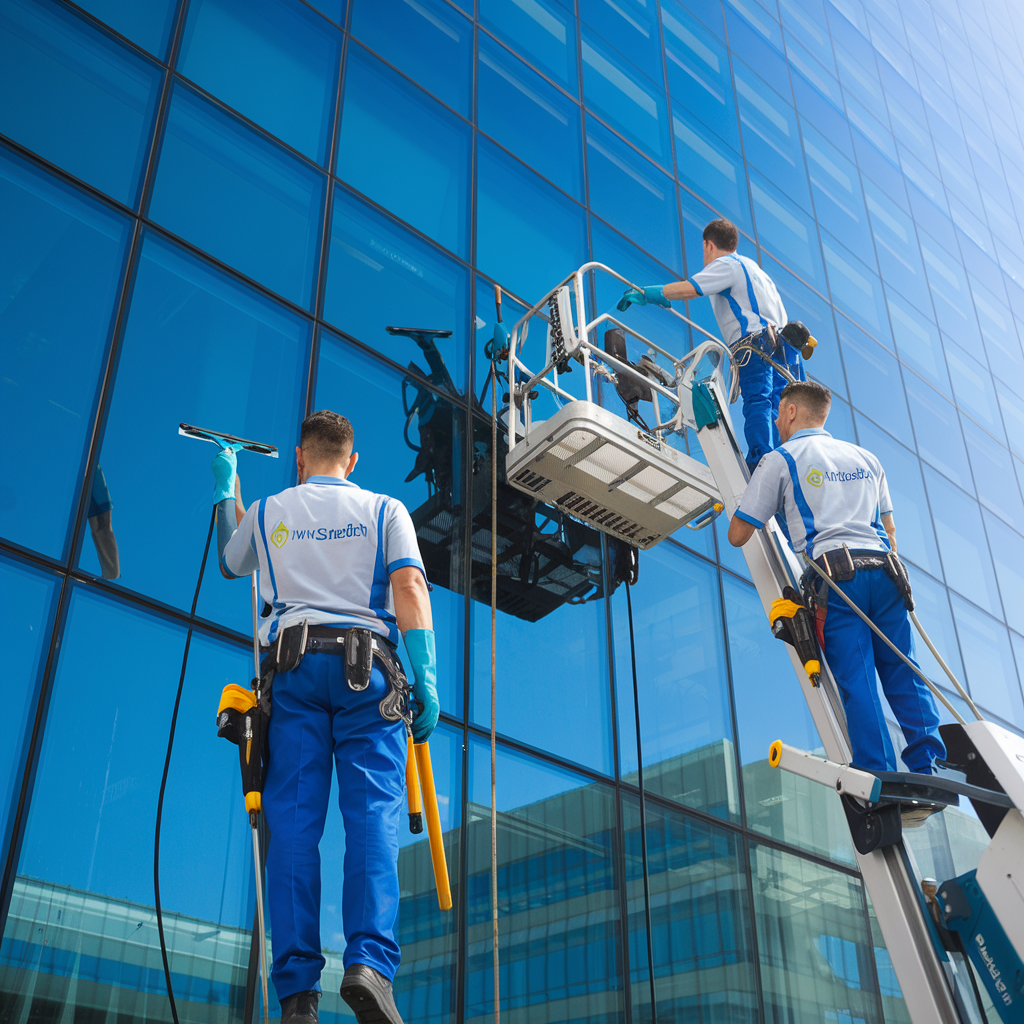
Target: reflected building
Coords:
[[218, 212]]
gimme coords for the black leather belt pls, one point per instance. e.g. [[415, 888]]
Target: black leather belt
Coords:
[[863, 558], [331, 640]]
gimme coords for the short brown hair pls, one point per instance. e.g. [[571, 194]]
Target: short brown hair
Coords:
[[809, 395], [327, 437], [722, 234]]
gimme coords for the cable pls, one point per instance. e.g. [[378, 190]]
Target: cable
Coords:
[[945, 668], [494, 638], [167, 765]]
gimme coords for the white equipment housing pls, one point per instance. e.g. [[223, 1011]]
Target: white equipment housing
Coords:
[[599, 468]]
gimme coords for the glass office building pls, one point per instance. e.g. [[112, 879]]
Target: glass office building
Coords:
[[211, 212]]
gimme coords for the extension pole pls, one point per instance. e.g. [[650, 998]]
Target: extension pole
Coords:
[[494, 648], [437, 857], [259, 915], [255, 626], [412, 789]]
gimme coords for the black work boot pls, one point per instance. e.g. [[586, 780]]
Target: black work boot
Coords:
[[300, 1008], [368, 992]]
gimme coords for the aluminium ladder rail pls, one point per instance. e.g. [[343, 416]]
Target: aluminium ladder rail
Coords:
[[887, 872]]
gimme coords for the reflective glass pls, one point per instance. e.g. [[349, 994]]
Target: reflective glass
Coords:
[[558, 892], [770, 705], [786, 230], [75, 96], [427, 39], [238, 196], [993, 474], [275, 61], [932, 601], [972, 385], [541, 30], [60, 269], [627, 100], [210, 323], [528, 235], [1007, 548], [402, 429], [29, 619], [696, 215], [149, 25], [700, 918], [405, 151], [1012, 408], [813, 941], [937, 429], [685, 715], [915, 536], [961, 538], [633, 195], [988, 662], [699, 73], [951, 293], [918, 343], [1002, 344], [631, 26], [87, 861], [530, 117], [855, 287], [380, 275], [755, 37], [876, 386], [711, 169]]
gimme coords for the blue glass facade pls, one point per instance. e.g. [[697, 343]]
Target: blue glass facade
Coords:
[[212, 209]]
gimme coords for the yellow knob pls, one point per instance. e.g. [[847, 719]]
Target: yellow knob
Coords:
[[775, 754]]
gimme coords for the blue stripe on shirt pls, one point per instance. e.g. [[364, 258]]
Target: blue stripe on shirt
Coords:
[[750, 292], [737, 312], [801, 503], [749, 519], [270, 565], [379, 587]]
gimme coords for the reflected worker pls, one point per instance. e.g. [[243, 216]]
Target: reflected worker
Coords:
[[346, 562], [748, 309], [836, 502]]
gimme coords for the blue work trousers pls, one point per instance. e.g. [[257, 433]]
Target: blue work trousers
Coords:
[[854, 652], [317, 722], [760, 386]]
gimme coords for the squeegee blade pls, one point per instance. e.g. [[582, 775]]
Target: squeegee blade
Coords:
[[202, 434]]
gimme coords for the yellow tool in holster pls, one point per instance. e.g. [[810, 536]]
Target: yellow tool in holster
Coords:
[[423, 801], [791, 622]]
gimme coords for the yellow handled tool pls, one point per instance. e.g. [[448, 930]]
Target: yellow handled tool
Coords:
[[429, 794], [412, 791]]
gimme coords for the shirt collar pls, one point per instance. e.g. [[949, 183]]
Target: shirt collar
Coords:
[[809, 432], [335, 481]]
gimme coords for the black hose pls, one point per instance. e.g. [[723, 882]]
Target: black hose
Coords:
[[167, 765]]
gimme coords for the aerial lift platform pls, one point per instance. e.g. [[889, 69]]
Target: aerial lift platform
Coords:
[[622, 476]]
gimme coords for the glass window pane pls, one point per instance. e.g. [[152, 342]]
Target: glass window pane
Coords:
[[685, 714], [89, 860], [528, 235], [149, 24], [932, 601], [75, 96], [876, 386], [209, 322], [530, 117], [937, 428], [28, 621], [993, 474], [1007, 548], [60, 269], [951, 293], [899, 256], [813, 941], [380, 275], [374, 397], [427, 39], [696, 215], [786, 230], [770, 706], [275, 61], [541, 30], [856, 288], [988, 662], [630, 102], [918, 343], [973, 387], [405, 151], [962, 543], [235, 194], [700, 918], [555, 857], [633, 195], [1012, 408], [631, 27], [712, 169]]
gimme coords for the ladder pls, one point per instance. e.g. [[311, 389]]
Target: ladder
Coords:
[[630, 483]]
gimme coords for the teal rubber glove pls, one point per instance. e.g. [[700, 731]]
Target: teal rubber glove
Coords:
[[225, 468], [419, 644], [653, 295]]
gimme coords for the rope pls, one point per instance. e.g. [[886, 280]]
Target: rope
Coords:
[[167, 765], [931, 686], [494, 637]]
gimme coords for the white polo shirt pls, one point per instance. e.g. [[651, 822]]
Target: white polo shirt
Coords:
[[743, 297], [325, 550], [831, 492]]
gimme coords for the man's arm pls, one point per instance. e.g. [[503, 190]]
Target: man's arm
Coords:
[[889, 524], [680, 290], [740, 531], [412, 599]]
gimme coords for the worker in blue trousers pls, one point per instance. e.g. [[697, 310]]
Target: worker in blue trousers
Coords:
[[341, 572], [835, 500], [749, 310]]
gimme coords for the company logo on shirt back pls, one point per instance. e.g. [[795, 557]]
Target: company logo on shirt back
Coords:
[[280, 536], [815, 477]]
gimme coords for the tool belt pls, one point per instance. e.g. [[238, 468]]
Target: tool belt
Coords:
[[359, 647], [766, 341]]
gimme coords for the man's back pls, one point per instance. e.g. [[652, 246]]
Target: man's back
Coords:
[[744, 298], [326, 549]]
